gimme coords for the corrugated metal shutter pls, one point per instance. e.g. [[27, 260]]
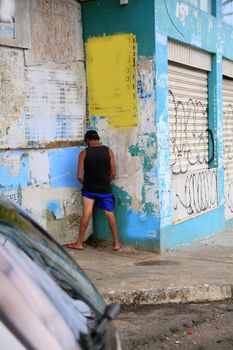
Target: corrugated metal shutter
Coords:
[[189, 56], [194, 185], [188, 119], [227, 68], [228, 144]]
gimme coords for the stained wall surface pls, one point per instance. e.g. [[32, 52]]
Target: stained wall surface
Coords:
[[42, 114]]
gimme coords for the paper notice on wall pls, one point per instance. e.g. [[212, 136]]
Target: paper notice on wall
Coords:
[[55, 107]]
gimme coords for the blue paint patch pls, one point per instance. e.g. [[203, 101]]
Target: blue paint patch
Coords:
[[63, 164], [21, 178], [54, 207], [7, 30], [141, 93], [154, 172], [187, 232], [142, 227]]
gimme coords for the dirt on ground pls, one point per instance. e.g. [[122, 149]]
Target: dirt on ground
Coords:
[[205, 326]]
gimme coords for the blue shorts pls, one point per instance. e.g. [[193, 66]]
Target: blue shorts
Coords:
[[104, 201]]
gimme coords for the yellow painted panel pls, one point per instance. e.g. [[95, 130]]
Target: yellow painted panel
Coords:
[[111, 79]]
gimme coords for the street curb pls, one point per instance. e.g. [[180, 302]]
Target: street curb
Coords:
[[184, 294]]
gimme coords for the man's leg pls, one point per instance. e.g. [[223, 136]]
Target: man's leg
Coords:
[[113, 227], [87, 213]]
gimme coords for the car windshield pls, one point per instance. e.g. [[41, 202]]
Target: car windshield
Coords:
[[17, 226]]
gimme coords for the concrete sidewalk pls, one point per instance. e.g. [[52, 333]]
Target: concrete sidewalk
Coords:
[[202, 272]]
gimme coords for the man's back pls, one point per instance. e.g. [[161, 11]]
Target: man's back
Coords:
[[96, 169], [97, 166]]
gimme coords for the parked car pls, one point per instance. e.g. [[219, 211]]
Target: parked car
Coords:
[[46, 296]]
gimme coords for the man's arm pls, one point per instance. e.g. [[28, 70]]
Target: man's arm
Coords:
[[81, 158], [112, 165]]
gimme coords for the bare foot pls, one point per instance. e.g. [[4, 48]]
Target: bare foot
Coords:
[[116, 247], [75, 246]]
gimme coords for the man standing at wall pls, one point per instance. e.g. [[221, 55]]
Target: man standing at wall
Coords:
[[96, 169]]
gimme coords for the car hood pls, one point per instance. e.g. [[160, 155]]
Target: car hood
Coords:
[[21, 229]]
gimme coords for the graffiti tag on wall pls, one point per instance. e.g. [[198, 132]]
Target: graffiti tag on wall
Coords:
[[194, 185], [194, 193], [188, 135]]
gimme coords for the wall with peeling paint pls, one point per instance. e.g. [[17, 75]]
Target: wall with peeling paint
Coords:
[[143, 186], [44, 182], [43, 108], [186, 24], [135, 186], [42, 116]]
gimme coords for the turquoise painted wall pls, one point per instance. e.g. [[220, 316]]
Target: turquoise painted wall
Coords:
[[136, 227], [107, 17], [176, 20]]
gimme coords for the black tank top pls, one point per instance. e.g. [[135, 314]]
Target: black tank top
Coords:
[[97, 170]]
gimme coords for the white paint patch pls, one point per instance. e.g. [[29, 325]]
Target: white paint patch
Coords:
[[102, 125], [210, 24], [219, 54], [146, 113], [146, 95], [162, 39], [70, 203], [162, 80], [204, 5], [182, 11], [163, 131], [7, 10], [13, 162], [39, 168], [150, 193], [73, 206], [166, 208]]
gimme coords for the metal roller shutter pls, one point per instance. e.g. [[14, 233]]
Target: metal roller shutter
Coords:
[[228, 145], [188, 119], [194, 185]]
